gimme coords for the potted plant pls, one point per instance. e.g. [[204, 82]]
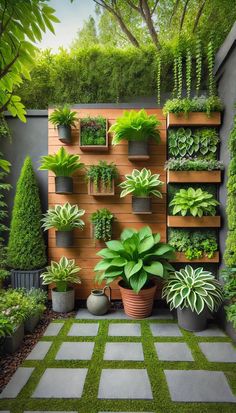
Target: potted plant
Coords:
[[137, 258], [137, 128], [62, 274], [102, 224], [6, 330], [201, 206], [63, 165], [64, 218], [229, 277], [141, 184], [36, 300], [193, 170], [94, 134], [101, 179], [63, 118], [26, 248], [192, 292]]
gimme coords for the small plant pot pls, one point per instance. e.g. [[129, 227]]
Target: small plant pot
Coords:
[[191, 321], [64, 184], [138, 150], [13, 342], [64, 239], [64, 133], [27, 279], [63, 302], [31, 323], [138, 305], [141, 205]]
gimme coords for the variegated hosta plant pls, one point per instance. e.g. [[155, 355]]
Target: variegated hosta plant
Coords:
[[62, 274], [136, 258], [195, 202], [141, 183], [193, 288], [63, 217]]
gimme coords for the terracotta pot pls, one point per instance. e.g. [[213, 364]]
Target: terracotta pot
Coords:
[[138, 305], [194, 222]]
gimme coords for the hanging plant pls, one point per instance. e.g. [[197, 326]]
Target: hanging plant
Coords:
[[175, 77], [158, 79], [188, 73], [180, 75], [102, 175], [210, 61], [198, 66], [102, 224]]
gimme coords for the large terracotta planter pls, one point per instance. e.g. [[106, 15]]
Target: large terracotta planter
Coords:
[[193, 119], [180, 257], [193, 222], [138, 305], [194, 176]]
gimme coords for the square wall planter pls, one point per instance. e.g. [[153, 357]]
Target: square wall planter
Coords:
[[100, 191], [95, 148], [180, 257], [193, 119], [194, 176], [193, 222]]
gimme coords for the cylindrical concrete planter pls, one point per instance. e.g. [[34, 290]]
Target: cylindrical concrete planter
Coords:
[[190, 320], [64, 184], [31, 323], [138, 149], [63, 302], [27, 279], [64, 133], [13, 342], [141, 205], [137, 305], [64, 239]]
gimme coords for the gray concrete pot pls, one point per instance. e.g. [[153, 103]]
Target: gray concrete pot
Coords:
[[64, 239], [64, 184], [191, 321], [63, 302], [64, 133], [138, 148], [98, 303], [13, 342], [27, 279], [31, 323], [141, 205]]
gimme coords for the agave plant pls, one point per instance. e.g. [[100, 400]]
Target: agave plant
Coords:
[[194, 289], [63, 116], [137, 257], [196, 202], [61, 163], [141, 183], [135, 126], [63, 217], [61, 273]]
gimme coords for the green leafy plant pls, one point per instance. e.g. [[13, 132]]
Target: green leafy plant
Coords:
[[197, 104], [195, 244], [6, 326], [229, 276], [198, 65], [158, 74], [193, 164], [102, 221], [62, 273], [93, 130], [141, 183], [195, 202], [231, 313], [103, 173], [63, 217], [211, 62], [230, 249], [202, 142], [188, 73], [63, 116], [137, 257], [135, 126], [179, 74], [193, 288], [61, 163]]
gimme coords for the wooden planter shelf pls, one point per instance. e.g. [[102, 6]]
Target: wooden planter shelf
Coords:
[[193, 119], [194, 176], [100, 191], [180, 257], [95, 148], [193, 222]]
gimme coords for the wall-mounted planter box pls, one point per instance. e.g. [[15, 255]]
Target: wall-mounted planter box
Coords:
[[64, 134], [95, 148], [180, 257], [193, 222], [138, 150], [193, 119], [194, 176], [64, 184], [64, 239], [100, 191], [141, 205]]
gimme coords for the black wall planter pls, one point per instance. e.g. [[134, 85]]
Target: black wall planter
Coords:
[[27, 279], [141, 205], [64, 184], [64, 133], [64, 239], [138, 150]]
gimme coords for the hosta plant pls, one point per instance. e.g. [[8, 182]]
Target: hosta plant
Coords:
[[193, 288], [61, 163], [62, 273], [136, 258], [195, 202], [141, 184], [186, 143], [63, 217], [135, 126], [63, 116], [102, 221]]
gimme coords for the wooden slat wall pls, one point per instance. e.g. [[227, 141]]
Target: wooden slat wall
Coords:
[[85, 248]]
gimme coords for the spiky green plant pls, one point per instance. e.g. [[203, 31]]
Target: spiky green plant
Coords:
[[141, 183], [61, 273], [61, 163], [63, 116], [63, 217]]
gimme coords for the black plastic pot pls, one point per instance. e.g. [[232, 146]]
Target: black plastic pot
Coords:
[[141, 205], [64, 184], [191, 321], [64, 239], [64, 133], [138, 149], [27, 279]]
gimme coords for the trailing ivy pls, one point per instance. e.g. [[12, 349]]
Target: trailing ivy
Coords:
[[210, 61], [198, 66], [102, 221], [188, 73], [158, 79]]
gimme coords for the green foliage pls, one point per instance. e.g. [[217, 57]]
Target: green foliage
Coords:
[[197, 104], [230, 249], [231, 313], [195, 164], [158, 77], [93, 131], [141, 183], [135, 126], [211, 62], [102, 221], [136, 258], [63, 116], [193, 288], [5, 132], [201, 142], [62, 273], [231, 211], [188, 73], [61, 163], [6, 327], [103, 173], [195, 244], [198, 66], [232, 139], [63, 217], [26, 248], [195, 202], [229, 276], [179, 75]]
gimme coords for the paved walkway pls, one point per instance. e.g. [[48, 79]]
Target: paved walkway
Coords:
[[120, 365]]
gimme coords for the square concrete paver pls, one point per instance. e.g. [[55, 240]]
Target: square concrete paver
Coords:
[[40, 350], [198, 386], [17, 382], [48, 411], [61, 383], [173, 352], [75, 351], [124, 351], [211, 331], [219, 352], [87, 329], [53, 329], [124, 330], [157, 314], [124, 384], [165, 330]]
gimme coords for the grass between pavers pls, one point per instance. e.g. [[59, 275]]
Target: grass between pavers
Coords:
[[89, 403]]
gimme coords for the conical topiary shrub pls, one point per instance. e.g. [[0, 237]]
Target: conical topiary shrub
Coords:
[[26, 247]]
